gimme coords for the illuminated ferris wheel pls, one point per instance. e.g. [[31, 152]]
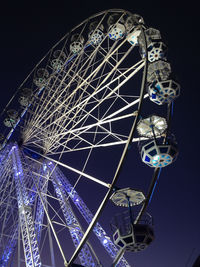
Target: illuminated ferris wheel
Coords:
[[67, 130]]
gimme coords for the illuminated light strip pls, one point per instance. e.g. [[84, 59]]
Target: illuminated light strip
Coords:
[[155, 185]]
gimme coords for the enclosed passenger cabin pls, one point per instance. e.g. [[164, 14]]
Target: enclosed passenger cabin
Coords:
[[135, 238], [11, 119], [116, 27], [163, 92], [156, 51], [41, 77], [96, 33], [133, 21], [25, 97], [133, 36], [132, 236], [133, 28], [77, 42], [58, 60], [158, 71], [152, 35], [155, 155]]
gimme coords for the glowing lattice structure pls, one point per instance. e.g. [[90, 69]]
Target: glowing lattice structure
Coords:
[[27, 209]]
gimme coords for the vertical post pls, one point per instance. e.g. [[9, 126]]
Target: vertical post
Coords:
[[42, 187], [9, 242], [30, 244]]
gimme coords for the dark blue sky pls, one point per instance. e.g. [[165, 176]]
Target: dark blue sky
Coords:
[[28, 31]]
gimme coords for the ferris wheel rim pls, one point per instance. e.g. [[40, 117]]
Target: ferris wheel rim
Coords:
[[116, 176], [64, 36], [126, 142]]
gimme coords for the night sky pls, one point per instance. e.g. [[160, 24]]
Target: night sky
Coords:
[[29, 30]]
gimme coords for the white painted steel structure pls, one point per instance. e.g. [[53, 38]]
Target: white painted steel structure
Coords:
[[83, 102]]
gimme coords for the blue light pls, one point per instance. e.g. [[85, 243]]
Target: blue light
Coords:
[[153, 96], [147, 159], [155, 185]]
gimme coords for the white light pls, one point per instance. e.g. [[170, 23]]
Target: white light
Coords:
[[105, 241], [156, 158]]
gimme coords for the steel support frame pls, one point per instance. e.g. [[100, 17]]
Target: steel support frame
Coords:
[[39, 216], [100, 233], [29, 237], [75, 230]]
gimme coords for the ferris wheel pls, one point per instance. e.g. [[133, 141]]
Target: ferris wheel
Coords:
[[68, 129]]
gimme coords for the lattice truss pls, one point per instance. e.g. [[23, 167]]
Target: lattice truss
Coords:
[[35, 208], [81, 105], [72, 115]]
